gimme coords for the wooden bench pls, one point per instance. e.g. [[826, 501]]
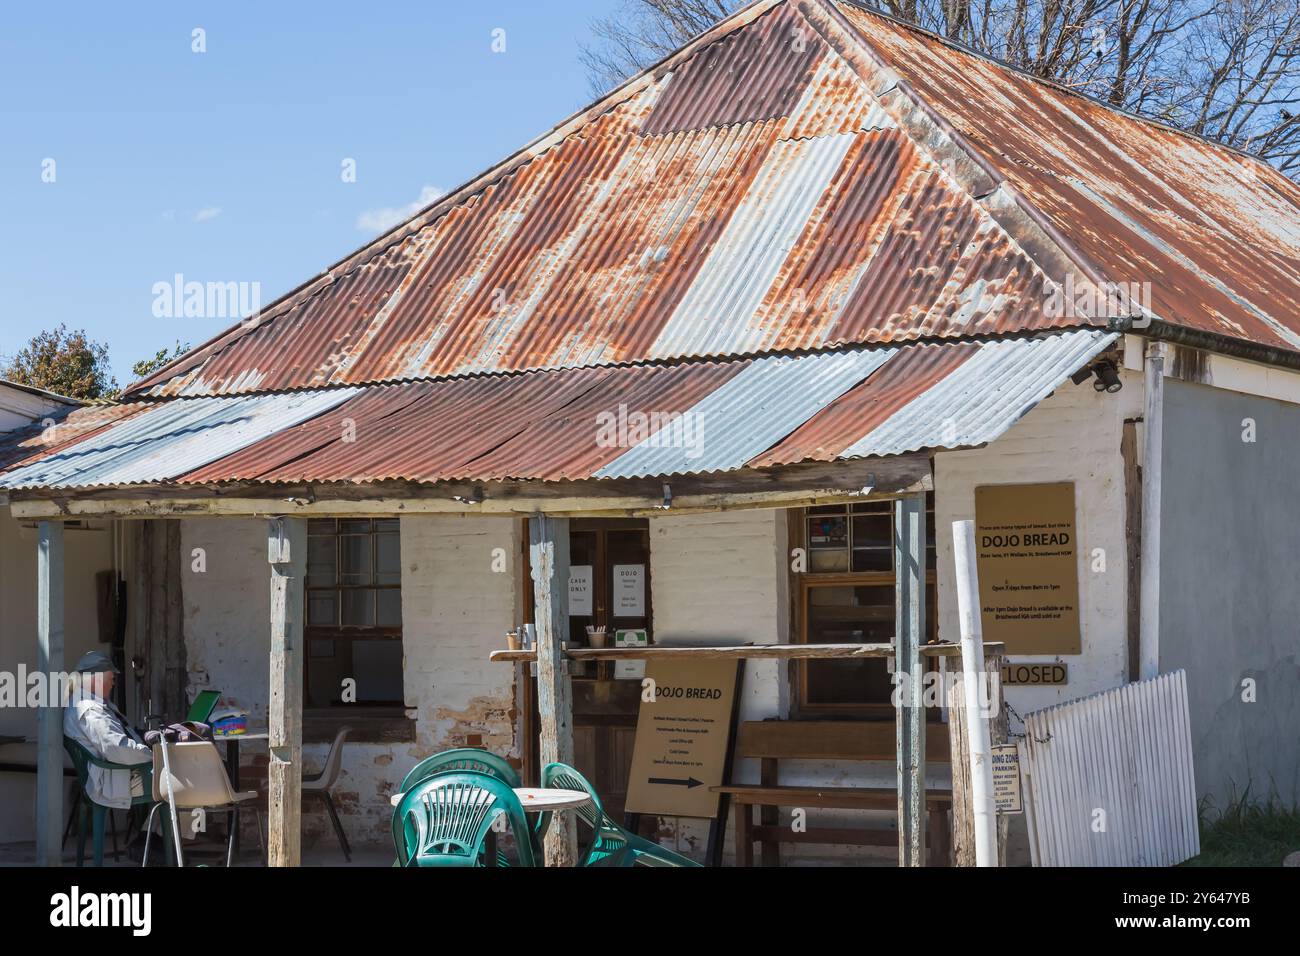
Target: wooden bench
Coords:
[[771, 741]]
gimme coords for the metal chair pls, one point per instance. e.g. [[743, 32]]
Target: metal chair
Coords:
[[198, 782], [319, 784]]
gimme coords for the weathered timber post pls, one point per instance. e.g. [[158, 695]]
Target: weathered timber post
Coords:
[[963, 818], [549, 554], [286, 550]]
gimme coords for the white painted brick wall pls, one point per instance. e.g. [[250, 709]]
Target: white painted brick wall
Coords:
[[1072, 436], [455, 610], [722, 579]]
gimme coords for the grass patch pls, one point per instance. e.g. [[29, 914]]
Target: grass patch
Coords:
[[1247, 832]]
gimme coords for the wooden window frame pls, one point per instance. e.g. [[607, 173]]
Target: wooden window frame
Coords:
[[381, 711], [801, 585]]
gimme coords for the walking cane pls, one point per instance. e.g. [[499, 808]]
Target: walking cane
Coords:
[[171, 796]]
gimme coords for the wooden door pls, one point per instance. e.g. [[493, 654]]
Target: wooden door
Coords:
[[604, 706]]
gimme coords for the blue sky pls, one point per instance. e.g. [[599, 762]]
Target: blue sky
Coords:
[[225, 166]]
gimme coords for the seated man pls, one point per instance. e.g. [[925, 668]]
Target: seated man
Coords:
[[92, 721]]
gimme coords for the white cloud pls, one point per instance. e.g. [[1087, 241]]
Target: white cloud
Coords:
[[208, 212], [381, 220]]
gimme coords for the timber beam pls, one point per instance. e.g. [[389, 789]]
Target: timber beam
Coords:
[[806, 484]]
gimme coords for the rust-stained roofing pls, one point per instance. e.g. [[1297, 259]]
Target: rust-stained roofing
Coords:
[[41, 439], [808, 174], [702, 416], [803, 186], [1215, 233], [748, 195]]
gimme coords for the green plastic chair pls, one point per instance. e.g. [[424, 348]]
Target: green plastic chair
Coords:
[[463, 758], [445, 820], [82, 761], [460, 760], [611, 844]]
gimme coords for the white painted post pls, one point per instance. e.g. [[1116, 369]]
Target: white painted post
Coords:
[[1153, 446], [983, 809], [49, 727], [287, 553], [909, 722]]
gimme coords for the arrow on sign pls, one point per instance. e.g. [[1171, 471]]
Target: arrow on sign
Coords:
[[688, 783]]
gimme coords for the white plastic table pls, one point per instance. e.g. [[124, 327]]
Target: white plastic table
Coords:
[[536, 799]]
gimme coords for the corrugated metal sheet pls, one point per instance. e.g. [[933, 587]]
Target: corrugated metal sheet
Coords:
[[1125, 753], [164, 441], [983, 396], [607, 422], [70, 426], [1215, 233], [533, 425], [748, 414], [751, 195]]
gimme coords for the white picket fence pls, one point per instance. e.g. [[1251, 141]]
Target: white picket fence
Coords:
[[1109, 778]]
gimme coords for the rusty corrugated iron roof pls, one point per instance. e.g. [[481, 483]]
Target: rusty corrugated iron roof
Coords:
[[804, 181], [749, 195], [637, 421], [1215, 234], [60, 431]]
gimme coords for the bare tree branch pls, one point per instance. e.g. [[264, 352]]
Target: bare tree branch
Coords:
[[1228, 70]]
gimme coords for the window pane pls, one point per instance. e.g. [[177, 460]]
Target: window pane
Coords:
[[873, 559], [388, 524], [320, 526], [354, 526], [359, 608], [828, 561], [322, 608], [377, 667], [827, 510], [873, 531], [828, 532], [388, 559], [389, 608], [849, 615], [321, 560], [354, 553], [324, 673]]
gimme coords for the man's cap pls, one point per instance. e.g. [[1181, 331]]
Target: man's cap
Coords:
[[94, 662]]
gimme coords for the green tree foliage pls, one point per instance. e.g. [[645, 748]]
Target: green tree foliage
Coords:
[[63, 361], [146, 367]]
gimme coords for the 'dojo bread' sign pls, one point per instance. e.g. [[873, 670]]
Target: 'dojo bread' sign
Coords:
[[1027, 560], [681, 738]]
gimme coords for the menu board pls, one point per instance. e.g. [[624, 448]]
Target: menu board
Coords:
[[1027, 561], [681, 738]]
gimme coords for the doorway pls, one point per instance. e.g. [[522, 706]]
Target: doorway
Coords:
[[609, 562]]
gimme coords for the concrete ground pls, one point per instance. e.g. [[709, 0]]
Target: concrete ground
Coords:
[[322, 854]]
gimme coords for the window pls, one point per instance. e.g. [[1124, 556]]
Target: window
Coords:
[[846, 596], [354, 611]]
